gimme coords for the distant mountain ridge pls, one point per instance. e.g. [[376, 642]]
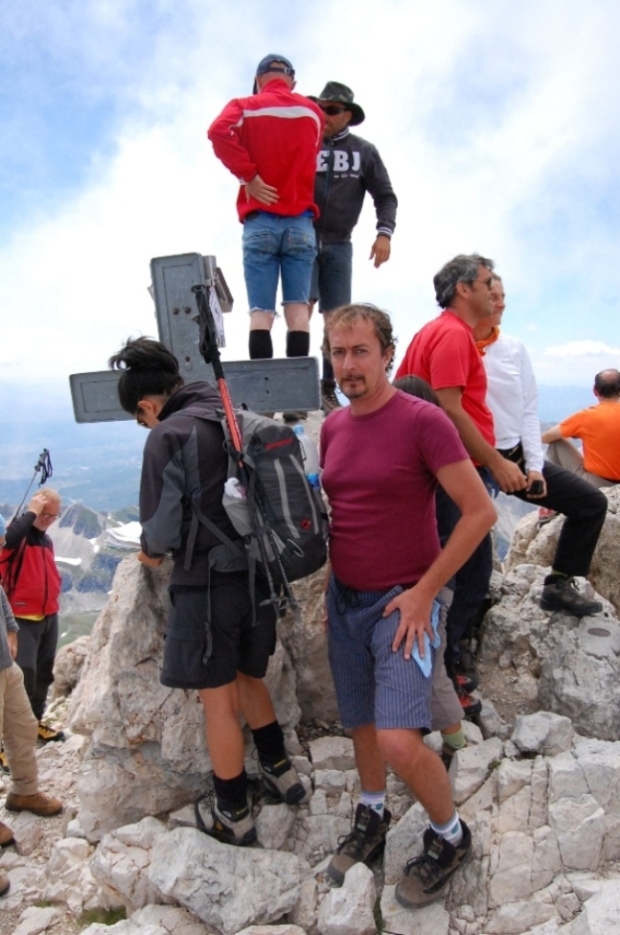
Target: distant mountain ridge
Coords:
[[99, 464]]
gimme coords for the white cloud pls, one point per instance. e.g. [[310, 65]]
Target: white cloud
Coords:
[[497, 124]]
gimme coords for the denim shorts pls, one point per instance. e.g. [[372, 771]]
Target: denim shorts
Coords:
[[274, 245], [331, 276], [374, 685]]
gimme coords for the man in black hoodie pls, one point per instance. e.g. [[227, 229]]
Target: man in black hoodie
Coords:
[[347, 167]]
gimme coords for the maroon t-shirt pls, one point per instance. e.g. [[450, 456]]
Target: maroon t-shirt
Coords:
[[379, 475], [444, 354]]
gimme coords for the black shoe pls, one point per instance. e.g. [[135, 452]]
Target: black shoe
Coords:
[[470, 705], [227, 824], [282, 781], [365, 842], [291, 417], [563, 594], [468, 683], [425, 877]]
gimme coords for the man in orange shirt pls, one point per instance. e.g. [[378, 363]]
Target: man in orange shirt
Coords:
[[599, 430]]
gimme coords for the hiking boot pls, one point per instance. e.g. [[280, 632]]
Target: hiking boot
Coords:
[[365, 842], [329, 400], [46, 733], [4, 762], [5, 885], [227, 824], [545, 515], [470, 705], [563, 594], [468, 683], [39, 804], [290, 417], [6, 835], [282, 781], [425, 877]]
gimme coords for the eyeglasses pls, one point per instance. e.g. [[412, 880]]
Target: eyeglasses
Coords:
[[50, 515], [332, 111], [486, 282]]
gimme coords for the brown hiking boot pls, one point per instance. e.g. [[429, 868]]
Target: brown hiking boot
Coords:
[[329, 400], [38, 804], [5, 885], [6, 835], [425, 877], [365, 842]]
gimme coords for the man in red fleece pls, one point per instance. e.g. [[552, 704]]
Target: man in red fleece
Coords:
[[270, 141]]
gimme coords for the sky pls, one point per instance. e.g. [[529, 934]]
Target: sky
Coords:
[[498, 123]]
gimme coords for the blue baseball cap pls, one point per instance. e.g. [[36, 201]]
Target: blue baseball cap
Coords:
[[267, 64]]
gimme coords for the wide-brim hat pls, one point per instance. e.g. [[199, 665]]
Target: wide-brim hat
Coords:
[[341, 94], [266, 64]]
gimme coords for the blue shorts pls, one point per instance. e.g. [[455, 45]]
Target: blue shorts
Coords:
[[274, 245], [374, 685], [331, 276]]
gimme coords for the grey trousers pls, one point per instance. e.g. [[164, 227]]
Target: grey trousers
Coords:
[[565, 455]]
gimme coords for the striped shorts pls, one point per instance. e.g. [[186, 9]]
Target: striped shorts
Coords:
[[374, 685]]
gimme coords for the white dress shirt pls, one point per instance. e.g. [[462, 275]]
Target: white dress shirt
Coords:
[[512, 397]]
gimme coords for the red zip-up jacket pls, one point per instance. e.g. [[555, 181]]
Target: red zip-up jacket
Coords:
[[277, 135], [29, 574]]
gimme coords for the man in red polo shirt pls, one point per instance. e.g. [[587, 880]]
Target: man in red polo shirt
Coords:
[[444, 354]]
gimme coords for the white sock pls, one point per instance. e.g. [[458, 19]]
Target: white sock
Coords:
[[374, 800], [452, 831]]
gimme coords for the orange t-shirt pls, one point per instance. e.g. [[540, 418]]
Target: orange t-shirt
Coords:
[[599, 429]]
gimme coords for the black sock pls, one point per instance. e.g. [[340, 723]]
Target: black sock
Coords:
[[297, 343], [555, 577], [269, 741], [234, 792], [261, 346]]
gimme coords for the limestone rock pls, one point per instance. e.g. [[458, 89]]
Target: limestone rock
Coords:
[[332, 753], [68, 666], [601, 914], [203, 876], [172, 920], [349, 909], [543, 732], [69, 878], [122, 862], [431, 920], [34, 921], [474, 766]]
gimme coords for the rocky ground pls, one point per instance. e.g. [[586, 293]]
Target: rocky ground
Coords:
[[539, 785]]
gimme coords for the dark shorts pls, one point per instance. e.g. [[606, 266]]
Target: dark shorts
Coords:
[[237, 645], [331, 276]]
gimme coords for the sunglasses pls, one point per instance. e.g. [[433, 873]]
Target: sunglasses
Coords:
[[332, 111]]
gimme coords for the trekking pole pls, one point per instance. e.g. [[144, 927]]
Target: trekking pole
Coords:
[[211, 354], [44, 464]]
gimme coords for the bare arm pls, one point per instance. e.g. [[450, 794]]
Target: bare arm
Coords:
[[552, 435], [509, 477], [463, 485]]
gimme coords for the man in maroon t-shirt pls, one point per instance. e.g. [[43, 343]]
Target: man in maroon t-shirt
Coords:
[[444, 354], [382, 457]]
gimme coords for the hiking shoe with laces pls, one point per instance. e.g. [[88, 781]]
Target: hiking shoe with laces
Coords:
[[425, 877], [545, 515], [39, 804], [563, 594], [468, 683], [292, 416], [282, 780], [470, 705], [6, 835], [4, 762], [365, 842], [227, 824], [329, 400], [48, 734]]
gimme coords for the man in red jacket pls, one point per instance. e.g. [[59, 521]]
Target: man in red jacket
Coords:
[[32, 584], [270, 141]]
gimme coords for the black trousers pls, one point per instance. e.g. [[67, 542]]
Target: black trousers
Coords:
[[584, 507], [36, 651]]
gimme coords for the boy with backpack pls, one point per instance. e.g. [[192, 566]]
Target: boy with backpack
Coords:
[[220, 635]]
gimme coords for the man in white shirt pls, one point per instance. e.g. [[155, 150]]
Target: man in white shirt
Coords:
[[512, 397]]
